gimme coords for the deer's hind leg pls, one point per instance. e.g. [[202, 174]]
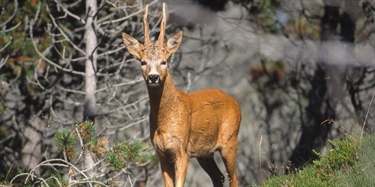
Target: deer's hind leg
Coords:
[[228, 153], [209, 165]]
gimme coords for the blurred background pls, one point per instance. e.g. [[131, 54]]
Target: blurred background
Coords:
[[303, 72]]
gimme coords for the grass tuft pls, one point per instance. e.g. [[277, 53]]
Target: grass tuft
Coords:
[[348, 163]]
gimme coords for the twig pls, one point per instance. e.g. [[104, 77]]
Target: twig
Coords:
[[82, 146], [118, 85], [67, 12], [260, 157], [63, 33], [3, 61], [12, 16], [368, 112], [48, 60], [126, 17], [56, 179], [6, 45], [49, 163], [28, 175], [89, 182]]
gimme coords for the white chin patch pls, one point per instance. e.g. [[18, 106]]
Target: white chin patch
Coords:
[[155, 84]]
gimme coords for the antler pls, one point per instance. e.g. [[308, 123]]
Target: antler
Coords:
[[162, 28], [145, 25]]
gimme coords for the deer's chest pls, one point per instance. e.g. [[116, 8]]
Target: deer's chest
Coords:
[[171, 135], [167, 144]]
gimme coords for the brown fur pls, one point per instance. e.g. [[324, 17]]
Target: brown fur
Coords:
[[186, 125]]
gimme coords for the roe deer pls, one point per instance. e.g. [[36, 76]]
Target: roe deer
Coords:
[[185, 125]]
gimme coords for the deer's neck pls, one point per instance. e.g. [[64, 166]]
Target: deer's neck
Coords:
[[162, 99]]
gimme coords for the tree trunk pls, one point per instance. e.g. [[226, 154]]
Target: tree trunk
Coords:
[[90, 68], [91, 54]]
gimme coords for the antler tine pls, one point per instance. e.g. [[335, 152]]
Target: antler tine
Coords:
[[145, 26], [162, 27]]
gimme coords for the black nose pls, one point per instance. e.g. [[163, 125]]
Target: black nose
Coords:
[[153, 78]]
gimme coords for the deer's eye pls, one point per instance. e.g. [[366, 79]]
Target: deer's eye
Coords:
[[163, 62], [143, 63]]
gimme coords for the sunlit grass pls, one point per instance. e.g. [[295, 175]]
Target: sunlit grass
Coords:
[[349, 162]]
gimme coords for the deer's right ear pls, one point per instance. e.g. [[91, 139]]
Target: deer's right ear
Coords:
[[133, 46]]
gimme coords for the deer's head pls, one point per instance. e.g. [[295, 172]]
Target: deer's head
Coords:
[[153, 56]]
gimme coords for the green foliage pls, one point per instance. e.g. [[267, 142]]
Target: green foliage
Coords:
[[11, 172], [302, 28], [87, 132], [118, 158], [56, 180], [52, 180], [362, 174], [65, 141], [79, 138], [306, 177], [339, 158], [17, 48], [129, 150], [335, 168], [5, 177], [115, 161], [124, 152], [264, 16]]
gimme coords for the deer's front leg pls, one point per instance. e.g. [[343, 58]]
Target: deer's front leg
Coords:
[[168, 170], [181, 168]]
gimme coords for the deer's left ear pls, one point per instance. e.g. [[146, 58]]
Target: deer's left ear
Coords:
[[174, 43], [133, 46]]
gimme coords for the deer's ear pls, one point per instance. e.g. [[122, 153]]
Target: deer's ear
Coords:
[[174, 42], [133, 46]]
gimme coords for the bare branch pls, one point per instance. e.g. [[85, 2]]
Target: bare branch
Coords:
[[10, 18], [63, 33], [45, 58], [67, 12]]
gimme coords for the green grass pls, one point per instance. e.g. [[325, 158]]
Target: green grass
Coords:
[[349, 162], [363, 173]]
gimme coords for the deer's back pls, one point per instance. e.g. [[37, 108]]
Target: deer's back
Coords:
[[215, 119]]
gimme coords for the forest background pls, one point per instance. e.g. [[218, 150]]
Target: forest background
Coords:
[[303, 72]]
